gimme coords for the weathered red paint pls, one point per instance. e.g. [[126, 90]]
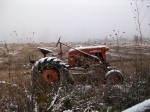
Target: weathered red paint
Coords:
[[89, 50], [50, 76]]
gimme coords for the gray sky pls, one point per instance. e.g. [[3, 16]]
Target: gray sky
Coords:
[[73, 20]]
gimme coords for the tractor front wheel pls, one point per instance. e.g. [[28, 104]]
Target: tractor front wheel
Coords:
[[114, 77]]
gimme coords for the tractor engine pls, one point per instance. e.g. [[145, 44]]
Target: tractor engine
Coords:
[[91, 55]]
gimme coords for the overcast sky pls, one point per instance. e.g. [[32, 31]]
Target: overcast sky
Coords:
[[73, 20]]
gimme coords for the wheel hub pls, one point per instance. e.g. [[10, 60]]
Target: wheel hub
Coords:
[[50, 76], [113, 79]]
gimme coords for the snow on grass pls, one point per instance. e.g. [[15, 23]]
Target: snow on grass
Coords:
[[36, 107], [2, 82], [14, 53], [68, 111], [54, 99], [141, 107]]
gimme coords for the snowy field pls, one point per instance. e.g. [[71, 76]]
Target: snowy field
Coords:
[[17, 92]]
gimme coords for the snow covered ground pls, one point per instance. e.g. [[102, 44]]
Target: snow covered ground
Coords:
[[141, 107]]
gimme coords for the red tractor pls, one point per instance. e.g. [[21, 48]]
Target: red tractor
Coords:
[[51, 72]]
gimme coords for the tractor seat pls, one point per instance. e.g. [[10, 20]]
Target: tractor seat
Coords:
[[44, 51]]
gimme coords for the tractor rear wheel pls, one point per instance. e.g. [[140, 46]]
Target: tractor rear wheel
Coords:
[[114, 77], [48, 74]]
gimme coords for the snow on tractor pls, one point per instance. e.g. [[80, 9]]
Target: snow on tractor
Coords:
[[50, 73]]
